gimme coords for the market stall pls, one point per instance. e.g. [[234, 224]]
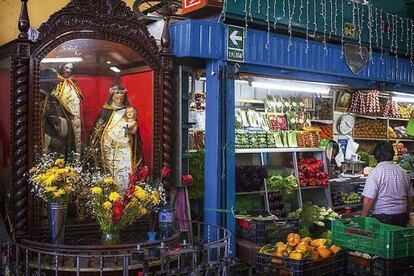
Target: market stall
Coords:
[[91, 142], [278, 101]]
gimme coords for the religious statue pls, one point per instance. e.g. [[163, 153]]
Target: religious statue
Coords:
[[61, 111], [116, 135]]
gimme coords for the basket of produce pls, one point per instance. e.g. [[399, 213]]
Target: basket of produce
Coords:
[[250, 178], [263, 230], [311, 172], [370, 236], [300, 256], [369, 128], [362, 264], [308, 139]]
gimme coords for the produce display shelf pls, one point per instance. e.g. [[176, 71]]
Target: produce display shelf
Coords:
[[347, 206], [383, 139], [370, 117], [370, 139], [328, 122], [398, 119], [313, 187], [347, 182], [402, 140], [250, 193], [268, 150]]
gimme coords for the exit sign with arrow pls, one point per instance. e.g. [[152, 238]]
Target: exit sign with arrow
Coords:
[[235, 43]]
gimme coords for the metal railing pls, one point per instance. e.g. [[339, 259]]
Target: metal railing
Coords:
[[202, 250]]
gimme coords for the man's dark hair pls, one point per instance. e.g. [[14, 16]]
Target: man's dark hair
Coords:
[[384, 151]]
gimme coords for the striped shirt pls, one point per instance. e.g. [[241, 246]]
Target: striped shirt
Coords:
[[390, 186]]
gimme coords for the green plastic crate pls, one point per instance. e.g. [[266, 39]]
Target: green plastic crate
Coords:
[[368, 235]]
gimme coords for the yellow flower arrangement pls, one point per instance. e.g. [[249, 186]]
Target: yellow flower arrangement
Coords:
[[107, 205], [140, 193], [59, 162], [96, 190], [114, 210], [108, 180], [52, 180], [59, 192], [114, 196]]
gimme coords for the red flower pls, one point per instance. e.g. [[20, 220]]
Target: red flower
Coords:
[[131, 190], [117, 210], [143, 173], [187, 179], [132, 178], [165, 172]]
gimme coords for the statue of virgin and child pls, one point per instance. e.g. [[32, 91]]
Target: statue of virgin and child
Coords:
[[115, 134]]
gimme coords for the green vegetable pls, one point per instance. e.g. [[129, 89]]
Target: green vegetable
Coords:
[[315, 215], [286, 185]]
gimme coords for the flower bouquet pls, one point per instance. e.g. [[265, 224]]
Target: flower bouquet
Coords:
[[55, 181], [114, 211]]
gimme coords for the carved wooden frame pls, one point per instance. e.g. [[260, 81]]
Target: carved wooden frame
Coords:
[[110, 20]]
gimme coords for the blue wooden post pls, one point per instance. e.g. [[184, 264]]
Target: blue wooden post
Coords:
[[219, 186], [213, 144], [230, 168]]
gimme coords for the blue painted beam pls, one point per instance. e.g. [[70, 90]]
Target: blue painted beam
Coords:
[[207, 40], [213, 145]]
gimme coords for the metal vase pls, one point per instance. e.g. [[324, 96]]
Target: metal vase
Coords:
[[57, 222]]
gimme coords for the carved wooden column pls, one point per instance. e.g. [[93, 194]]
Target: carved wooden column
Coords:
[[167, 67], [19, 125]]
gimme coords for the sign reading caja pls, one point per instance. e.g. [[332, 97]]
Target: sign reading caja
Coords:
[[235, 43]]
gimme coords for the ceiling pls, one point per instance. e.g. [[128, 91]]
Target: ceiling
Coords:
[[97, 57]]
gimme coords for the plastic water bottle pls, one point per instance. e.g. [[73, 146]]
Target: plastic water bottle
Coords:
[[166, 219]]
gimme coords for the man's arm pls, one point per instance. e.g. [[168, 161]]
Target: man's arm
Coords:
[[410, 203], [367, 206]]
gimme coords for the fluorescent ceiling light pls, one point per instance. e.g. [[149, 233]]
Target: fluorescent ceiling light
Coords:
[[295, 87], [403, 99], [403, 94], [62, 60], [115, 69]]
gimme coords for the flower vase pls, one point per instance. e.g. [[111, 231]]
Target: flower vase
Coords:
[[110, 238], [57, 213]]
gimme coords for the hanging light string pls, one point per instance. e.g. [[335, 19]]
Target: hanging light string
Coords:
[[315, 24], [301, 10], [370, 32], [323, 13], [376, 27], [393, 24], [342, 30], [407, 35], [274, 14], [291, 14], [307, 27], [331, 17], [382, 36], [411, 44], [268, 23], [336, 16]]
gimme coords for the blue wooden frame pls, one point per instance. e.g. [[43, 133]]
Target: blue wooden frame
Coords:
[[202, 39]]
